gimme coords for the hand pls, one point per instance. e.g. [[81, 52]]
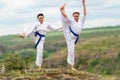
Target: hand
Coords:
[[83, 2], [22, 35], [62, 7]]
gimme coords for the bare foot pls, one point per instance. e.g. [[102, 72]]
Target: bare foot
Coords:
[[40, 68], [73, 69]]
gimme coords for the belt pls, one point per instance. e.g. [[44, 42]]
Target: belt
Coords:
[[40, 37], [74, 35]]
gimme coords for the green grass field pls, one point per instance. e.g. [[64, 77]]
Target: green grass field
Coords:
[[98, 50]]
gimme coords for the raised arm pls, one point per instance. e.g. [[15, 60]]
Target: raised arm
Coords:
[[84, 7], [62, 10]]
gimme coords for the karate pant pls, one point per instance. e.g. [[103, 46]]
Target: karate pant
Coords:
[[70, 57], [39, 57], [40, 46], [70, 40]]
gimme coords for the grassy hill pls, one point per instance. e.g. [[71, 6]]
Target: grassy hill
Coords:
[[98, 51], [14, 44]]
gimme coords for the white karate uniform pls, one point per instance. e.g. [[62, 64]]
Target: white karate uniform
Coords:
[[70, 37], [42, 29]]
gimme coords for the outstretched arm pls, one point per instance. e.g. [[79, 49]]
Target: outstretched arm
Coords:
[[27, 31], [62, 10], [84, 7], [51, 27]]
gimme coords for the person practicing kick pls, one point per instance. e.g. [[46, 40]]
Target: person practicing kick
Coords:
[[71, 30], [37, 32]]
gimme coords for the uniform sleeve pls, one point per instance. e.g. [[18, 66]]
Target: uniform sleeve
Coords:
[[51, 27], [83, 20], [29, 30], [66, 20]]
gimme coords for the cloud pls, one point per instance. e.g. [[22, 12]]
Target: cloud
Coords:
[[1, 5], [101, 22], [15, 4], [16, 14]]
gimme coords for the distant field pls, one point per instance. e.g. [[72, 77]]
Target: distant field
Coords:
[[54, 40], [97, 51]]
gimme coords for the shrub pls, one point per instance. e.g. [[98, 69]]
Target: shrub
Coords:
[[14, 62]]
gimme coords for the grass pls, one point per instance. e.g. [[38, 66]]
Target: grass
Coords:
[[98, 50]]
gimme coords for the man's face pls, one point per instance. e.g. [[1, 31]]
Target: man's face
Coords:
[[76, 17], [41, 19]]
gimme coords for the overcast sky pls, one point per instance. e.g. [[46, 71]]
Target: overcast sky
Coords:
[[17, 14]]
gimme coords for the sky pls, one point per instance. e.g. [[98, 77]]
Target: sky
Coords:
[[15, 15]]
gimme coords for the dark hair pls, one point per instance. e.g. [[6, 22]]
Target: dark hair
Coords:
[[76, 13], [40, 14]]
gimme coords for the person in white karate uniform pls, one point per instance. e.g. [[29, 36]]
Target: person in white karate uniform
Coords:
[[71, 30], [37, 32]]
